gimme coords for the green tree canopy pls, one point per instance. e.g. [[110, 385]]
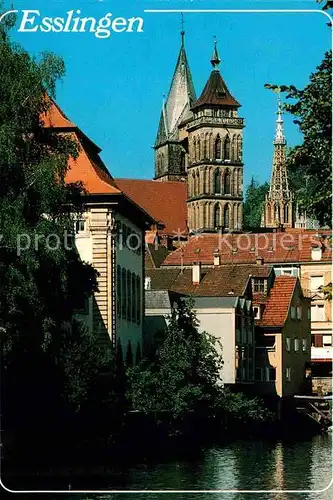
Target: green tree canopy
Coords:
[[42, 279], [254, 203], [185, 372]]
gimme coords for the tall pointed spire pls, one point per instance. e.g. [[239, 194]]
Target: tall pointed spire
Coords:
[[181, 94], [215, 60], [279, 136], [278, 205]]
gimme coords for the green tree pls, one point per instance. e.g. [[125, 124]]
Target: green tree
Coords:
[[254, 203], [185, 372], [42, 280], [310, 164]]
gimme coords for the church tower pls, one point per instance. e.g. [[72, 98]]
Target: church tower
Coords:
[[279, 200], [170, 147], [215, 167]]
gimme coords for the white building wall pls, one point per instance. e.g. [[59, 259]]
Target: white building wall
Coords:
[[221, 324]]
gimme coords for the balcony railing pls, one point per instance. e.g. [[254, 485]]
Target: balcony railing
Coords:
[[216, 120]]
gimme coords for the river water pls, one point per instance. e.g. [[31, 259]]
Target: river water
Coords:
[[240, 465]]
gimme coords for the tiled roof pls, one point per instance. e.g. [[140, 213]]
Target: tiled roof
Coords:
[[164, 201], [277, 305], [88, 167], [155, 255], [216, 93], [244, 248], [221, 281]]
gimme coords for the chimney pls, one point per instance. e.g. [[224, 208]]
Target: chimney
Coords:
[[216, 256], [259, 261], [196, 273]]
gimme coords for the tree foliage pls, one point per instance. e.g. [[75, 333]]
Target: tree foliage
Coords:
[[254, 204], [42, 279], [185, 372], [310, 164]]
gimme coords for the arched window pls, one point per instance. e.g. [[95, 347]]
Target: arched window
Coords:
[[233, 148], [286, 213], [204, 183], [118, 291], [217, 216], [217, 148], [227, 181], [124, 294], [198, 183], [239, 148], [226, 217], [194, 149], [129, 295], [277, 213], [226, 148], [205, 151], [193, 185], [194, 218], [133, 298], [138, 300], [236, 225], [199, 151], [217, 181]]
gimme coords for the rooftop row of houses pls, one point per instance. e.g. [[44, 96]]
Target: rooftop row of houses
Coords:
[[261, 320]]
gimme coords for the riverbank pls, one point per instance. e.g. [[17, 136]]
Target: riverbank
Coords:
[[36, 461]]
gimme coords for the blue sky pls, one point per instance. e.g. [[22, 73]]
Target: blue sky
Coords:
[[113, 87]]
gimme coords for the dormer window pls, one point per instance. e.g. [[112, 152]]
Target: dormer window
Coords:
[[258, 285], [256, 312]]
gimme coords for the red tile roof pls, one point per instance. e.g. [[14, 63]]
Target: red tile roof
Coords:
[[221, 281], [279, 247], [277, 305], [88, 167], [164, 201]]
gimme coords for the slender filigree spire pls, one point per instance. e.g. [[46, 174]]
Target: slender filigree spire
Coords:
[[279, 136], [278, 209], [215, 60]]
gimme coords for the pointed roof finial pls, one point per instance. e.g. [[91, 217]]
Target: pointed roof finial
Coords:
[[182, 33], [215, 60], [279, 136]]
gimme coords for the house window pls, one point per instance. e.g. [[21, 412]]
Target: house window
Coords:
[[327, 340], [138, 300], [256, 312], [318, 312], [316, 282], [79, 226], [288, 374], [118, 291], [317, 340], [299, 312], [133, 305], [288, 344], [129, 295], [258, 285], [147, 283], [304, 345], [293, 312], [258, 374], [296, 345], [124, 293]]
